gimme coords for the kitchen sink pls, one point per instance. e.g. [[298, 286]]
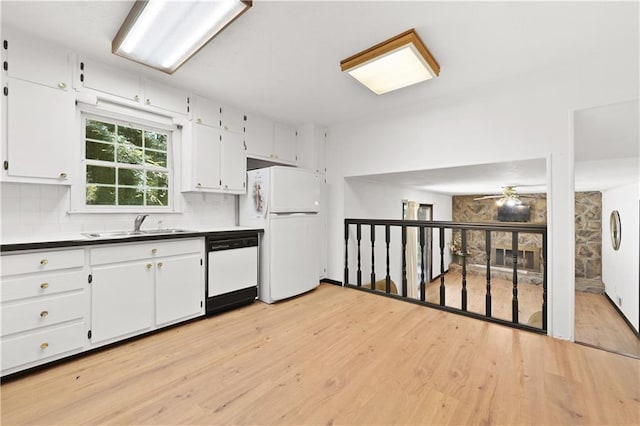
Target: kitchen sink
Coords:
[[127, 234]]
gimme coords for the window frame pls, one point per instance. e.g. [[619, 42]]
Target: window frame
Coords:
[[139, 120]]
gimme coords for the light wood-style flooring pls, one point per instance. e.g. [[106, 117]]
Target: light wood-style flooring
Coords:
[[333, 356], [599, 324], [529, 295]]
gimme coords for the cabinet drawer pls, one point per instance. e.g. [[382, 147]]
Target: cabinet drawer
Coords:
[[130, 252], [41, 285], [13, 264], [41, 312], [42, 344]]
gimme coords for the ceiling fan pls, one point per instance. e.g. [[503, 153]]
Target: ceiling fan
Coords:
[[509, 196]]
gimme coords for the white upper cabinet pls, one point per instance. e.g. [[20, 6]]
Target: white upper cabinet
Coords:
[[233, 120], [205, 162], [161, 96], [285, 143], [311, 148], [234, 162], [259, 136], [206, 112], [96, 76], [31, 60], [112, 81], [40, 131], [271, 141], [214, 155]]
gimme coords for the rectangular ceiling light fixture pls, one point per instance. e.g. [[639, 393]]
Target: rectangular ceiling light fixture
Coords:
[[165, 34], [399, 62]]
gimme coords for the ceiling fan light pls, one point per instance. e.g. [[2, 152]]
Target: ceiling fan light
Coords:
[[165, 34], [399, 62]]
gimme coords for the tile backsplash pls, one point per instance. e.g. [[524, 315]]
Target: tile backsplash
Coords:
[[30, 210]]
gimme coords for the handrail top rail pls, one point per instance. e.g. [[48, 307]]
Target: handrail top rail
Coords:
[[521, 227]]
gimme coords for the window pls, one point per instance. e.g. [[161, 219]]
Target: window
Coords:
[[126, 164]]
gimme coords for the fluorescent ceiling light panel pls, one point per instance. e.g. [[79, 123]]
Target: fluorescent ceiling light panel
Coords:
[[393, 64], [165, 34]]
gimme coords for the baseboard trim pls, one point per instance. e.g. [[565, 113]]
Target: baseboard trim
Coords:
[[330, 281], [626, 320]]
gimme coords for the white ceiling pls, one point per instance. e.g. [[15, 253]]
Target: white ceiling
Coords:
[[528, 175], [281, 59]]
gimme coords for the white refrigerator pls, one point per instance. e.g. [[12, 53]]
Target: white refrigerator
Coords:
[[284, 201]]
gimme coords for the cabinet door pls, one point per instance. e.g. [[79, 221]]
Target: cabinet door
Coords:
[[234, 162], [233, 120], [206, 112], [320, 144], [109, 80], [259, 136], [33, 60], [206, 157], [285, 143], [164, 97], [40, 123], [179, 288], [121, 299]]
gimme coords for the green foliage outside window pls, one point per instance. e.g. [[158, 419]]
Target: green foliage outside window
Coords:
[[125, 165]]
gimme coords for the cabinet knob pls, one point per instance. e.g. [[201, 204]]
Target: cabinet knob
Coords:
[[136, 98], [63, 175], [154, 251], [159, 264], [62, 85], [199, 120], [199, 185], [149, 266], [44, 345], [148, 101], [44, 285], [44, 314], [44, 262], [226, 127]]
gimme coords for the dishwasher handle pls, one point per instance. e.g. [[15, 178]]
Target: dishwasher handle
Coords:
[[235, 243]]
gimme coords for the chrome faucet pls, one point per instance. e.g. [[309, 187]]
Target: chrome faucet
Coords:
[[138, 222]]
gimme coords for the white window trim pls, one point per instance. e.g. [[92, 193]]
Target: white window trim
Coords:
[[109, 111]]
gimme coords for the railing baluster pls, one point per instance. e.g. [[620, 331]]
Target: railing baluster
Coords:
[[487, 238], [442, 288], [373, 257], [463, 237], [422, 284], [544, 281], [514, 254], [387, 235], [404, 260], [346, 254], [359, 237]]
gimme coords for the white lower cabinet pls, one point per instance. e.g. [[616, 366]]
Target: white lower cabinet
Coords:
[[179, 288], [138, 287], [44, 307], [57, 303], [121, 300]]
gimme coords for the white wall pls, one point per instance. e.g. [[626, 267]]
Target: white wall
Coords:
[[522, 118], [620, 269], [374, 200], [30, 210]]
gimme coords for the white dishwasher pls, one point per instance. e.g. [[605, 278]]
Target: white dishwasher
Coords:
[[232, 271]]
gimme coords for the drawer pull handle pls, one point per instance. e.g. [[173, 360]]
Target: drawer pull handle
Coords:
[[44, 262], [43, 314], [44, 285], [154, 251], [149, 266], [44, 345], [159, 264]]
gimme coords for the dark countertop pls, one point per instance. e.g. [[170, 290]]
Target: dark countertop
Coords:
[[77, 239]]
